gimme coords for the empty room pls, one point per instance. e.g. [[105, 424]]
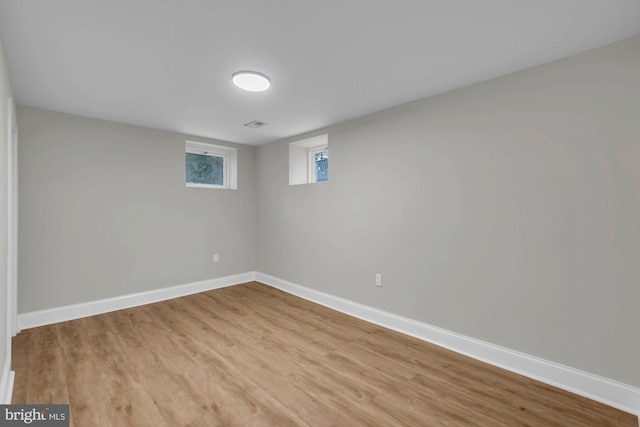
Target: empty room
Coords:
[[320, 213]]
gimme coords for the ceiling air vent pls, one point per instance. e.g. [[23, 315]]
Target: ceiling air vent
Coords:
[[255, 124]]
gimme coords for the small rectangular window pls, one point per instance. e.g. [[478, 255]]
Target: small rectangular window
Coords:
[[205, 169], [318, 164], [309, 160], [208, 165]]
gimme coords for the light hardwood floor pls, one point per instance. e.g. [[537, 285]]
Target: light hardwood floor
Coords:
[[250, 355]]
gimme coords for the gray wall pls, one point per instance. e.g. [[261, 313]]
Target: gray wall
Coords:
[[104, 212], [5, 93], [508, 211]]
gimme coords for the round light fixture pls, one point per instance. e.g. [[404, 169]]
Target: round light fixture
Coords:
[[251, 81]]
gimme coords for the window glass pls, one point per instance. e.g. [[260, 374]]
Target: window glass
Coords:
[[204, 169], [321, 165]]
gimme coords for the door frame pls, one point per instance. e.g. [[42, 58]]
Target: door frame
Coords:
[[12, 221]]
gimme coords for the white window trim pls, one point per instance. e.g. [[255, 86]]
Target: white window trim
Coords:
[[311, 166], [229, 163]]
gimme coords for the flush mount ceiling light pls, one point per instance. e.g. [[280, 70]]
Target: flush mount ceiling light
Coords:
[[251, 81]]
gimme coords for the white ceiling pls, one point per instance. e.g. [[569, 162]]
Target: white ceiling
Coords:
[[167, 64]]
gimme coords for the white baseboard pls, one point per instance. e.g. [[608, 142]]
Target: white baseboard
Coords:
[[604, 390], [77, 311], [6, 382], [609, 392]]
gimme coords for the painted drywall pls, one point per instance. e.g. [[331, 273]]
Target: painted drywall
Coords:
[[104, 212], [5, 94], [508, 211]]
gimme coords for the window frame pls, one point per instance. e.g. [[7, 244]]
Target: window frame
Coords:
[[311, 166], [211, 150], [301, 162]]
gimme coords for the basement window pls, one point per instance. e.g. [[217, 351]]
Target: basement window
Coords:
[[210, 166], [318, 164], [309, 160]]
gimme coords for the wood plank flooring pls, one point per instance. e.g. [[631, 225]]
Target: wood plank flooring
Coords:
[[250, 355]]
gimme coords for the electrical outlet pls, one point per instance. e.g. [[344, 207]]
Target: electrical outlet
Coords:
[[378, 279], [216, 258]]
